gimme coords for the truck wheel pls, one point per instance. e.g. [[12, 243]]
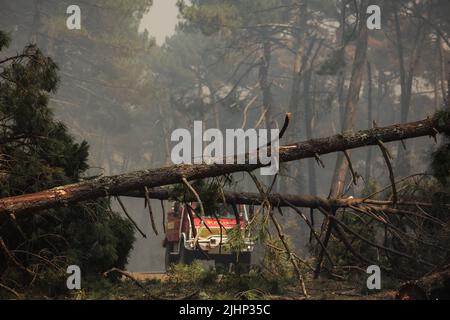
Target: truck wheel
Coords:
[[245, 258], [223, 262], [170, 257], [186, 256], [243, 262]]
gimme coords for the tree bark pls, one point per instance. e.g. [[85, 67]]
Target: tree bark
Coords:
[[299, 56], [342, 165], [369, 119], [406, 82], [265, 84], [278, 200], [120, 184], [435, 286], [309, 112]]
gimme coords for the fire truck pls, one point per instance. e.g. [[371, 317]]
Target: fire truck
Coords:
[[189, 236]]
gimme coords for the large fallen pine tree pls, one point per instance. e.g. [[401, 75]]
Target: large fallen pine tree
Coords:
[[121, 184]]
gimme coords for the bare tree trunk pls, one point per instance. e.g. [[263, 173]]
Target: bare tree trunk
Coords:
[[442, 72], [35, 25], [401, 59], [265, 84], [312, 179], [406, 82], [342, 165], [359, 64], [166, 159], [369, 120], [299, 59], [300, 19], [309, 119]]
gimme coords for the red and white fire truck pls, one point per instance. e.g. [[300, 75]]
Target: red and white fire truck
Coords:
[[190, 237]]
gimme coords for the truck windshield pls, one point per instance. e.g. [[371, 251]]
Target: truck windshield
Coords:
[[222, 211]]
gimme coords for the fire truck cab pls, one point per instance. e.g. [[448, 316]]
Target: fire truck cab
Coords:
[[190, 237]]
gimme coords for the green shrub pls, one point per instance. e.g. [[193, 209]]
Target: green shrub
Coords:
[[38, 153]]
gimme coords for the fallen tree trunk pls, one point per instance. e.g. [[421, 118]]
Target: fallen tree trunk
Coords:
[[120, 184], [435, 286], [278, 200]]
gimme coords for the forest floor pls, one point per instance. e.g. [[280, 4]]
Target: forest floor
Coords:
[[322, 289], [190, 284]]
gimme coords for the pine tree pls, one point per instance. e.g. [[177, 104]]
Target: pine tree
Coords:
[[37, 152]]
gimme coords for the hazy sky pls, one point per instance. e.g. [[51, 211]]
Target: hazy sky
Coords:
[[161, 20]]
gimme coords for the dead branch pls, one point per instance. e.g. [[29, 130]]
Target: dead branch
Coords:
[[313, 232], [129, 276], [319, 160], [303, 261], [355, 176], [13, 259], [150, 211], [45, 260], [340, 234], [147, 292], [197, 196], [163, 216], [281, 235], [396, 182], [398, 232], [371, 243], [200, 203], [244, 121], [387, 157], [12, 218], [328, 231], [130, 218], [10, 290]]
